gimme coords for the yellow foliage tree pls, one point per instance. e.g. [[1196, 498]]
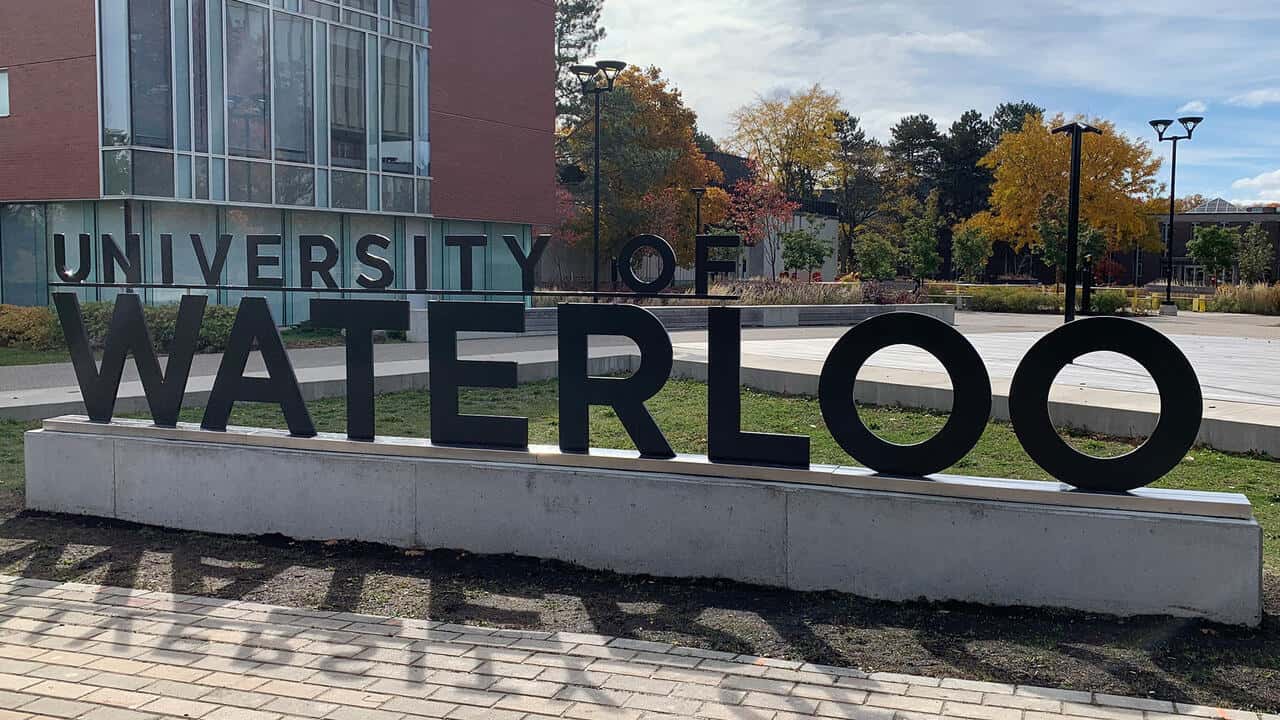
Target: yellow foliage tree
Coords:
[[1118, 177], [793, 137]]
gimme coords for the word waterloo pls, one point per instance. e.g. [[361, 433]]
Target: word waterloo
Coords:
[[255, 328]]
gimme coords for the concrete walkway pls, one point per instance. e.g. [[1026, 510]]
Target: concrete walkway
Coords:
[[98, 653]]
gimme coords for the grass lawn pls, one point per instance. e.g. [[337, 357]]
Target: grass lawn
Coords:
[[1172, 659], [18, 356]]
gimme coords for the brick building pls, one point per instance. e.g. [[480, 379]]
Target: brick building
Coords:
[[276, 117]]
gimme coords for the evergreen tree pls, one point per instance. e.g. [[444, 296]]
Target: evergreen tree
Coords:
[[578, 31]]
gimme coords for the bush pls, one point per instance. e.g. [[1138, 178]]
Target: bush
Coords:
[[1259, 299], [29, 328], [1109, 302], [1013, 300]]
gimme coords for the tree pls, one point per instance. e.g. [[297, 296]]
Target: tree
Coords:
[[876, 256], [1188, 203], [648, 148], [971, 251], [671, 213], [1257, 254], [915, 147], [759, 212], [578, 32], [1051, 224], [1011, 116], [1215, 247], [791, 136], [965, 185], [860, 179], [921, 235], [803, 250], [1032, 164]]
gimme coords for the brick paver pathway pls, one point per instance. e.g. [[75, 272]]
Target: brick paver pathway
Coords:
[[99, 653]]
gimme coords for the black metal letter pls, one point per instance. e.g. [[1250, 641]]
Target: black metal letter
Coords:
[[129, 334], [166, 259], [528, 263], [254, 323], [970, 392], [1181, 404], [255, 261], [448, 427], [420, 271], [703, 265], [386, 275], [130, 260], [212, 274], [666, 256], [360, 318], [467, 245], [726, 443], [310, 266], [60, 258], [578, 391]]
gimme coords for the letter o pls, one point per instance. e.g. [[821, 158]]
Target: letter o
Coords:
[[1181, 404], [971, 393], [665, 254]]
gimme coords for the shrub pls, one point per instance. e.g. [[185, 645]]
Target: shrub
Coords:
[[29, 328], [1258, 299], [38, 328], [1109, 302], [1013, 300]]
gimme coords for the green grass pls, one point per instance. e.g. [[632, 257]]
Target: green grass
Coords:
[[18, 356], [680, 410]]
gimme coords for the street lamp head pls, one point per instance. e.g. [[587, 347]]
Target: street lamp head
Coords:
[[1191, 123], [611, 69], [589, 75], [1161, 126], [698, 191]]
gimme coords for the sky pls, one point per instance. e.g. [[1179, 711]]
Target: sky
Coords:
[[1121, 60]]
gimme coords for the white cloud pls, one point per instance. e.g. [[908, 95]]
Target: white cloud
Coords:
[[1195, 106], [1256, 98], [1261, 188]]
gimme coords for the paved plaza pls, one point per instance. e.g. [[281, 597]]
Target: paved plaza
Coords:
[[101, 653]]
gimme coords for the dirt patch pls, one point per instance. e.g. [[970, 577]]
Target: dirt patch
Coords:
[[1170, 659]]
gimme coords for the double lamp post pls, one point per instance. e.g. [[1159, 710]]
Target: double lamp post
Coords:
[[1189, 123], [597, 80]]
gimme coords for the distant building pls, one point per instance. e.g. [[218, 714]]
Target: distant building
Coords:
[[1150, 264], [273, 117]]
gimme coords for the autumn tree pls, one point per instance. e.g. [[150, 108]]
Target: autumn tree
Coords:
[[1051, 226], [578, 31], [1257, 254], [791, 136], [1118, 174], [759, 212], [1215, 247], [649, 161]]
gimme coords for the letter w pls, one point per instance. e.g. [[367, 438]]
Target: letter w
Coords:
[[129, 334]]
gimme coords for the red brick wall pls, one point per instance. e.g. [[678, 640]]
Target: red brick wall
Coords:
[[48, 144], [493, 110]]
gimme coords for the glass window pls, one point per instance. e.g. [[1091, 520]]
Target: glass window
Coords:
[[321, 85], [422, 150], [217, 95], [397, 107], [115, 172], [348, 127], [295, 185], [201, 183], [150, 74], [4, 93], [200, 75], [249, 182], [22, 255], [183, 176], [295, 127], [248, 83], [410, 11], [349, 191], [424, 197], [397, 194], [115, 72], [152, 174], [369, 5], [181, 76]]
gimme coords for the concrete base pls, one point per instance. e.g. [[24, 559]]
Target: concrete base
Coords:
[[1169, 311], [995, 542], [542, 321]]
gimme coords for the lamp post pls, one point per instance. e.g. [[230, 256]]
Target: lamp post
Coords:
[[1190, 123], [1077, 131], [698, 194], [597, 80]]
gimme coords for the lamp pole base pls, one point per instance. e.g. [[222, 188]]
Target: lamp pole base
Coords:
[[1168, 311]]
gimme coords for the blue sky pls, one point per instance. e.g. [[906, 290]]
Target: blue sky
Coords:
[[1124, 61]]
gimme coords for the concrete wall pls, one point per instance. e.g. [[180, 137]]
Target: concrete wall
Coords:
[[493, 110], [1160, 552], [49, 142]]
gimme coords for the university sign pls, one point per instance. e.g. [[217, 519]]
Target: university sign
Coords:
[[360, 318]]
